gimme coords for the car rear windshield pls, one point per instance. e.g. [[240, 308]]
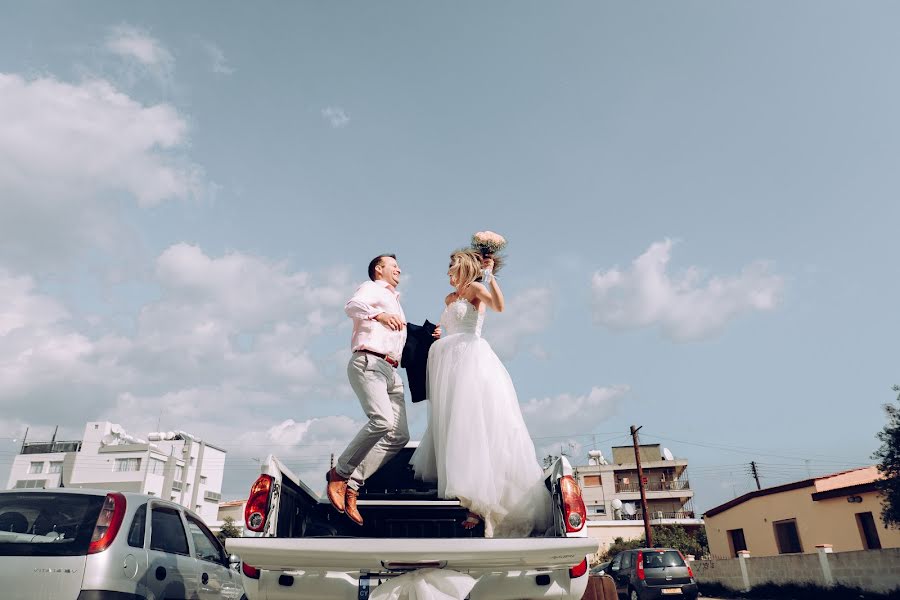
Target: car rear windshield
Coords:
[[47, 524], [662, 558]]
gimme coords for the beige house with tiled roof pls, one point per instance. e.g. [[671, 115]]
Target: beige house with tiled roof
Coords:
[[842, 510]]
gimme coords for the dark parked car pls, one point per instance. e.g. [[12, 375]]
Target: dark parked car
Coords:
[[652, 573]]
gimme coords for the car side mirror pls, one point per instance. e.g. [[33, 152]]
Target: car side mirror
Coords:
[[234, 562]]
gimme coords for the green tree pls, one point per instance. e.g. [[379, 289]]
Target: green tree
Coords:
[[228, 530], [888, 456], [664, 536]]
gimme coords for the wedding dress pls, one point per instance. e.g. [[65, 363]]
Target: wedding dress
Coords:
[[476, 446]]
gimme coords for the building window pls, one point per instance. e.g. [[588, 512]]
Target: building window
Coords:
[[867, 531], [736, 541], [127, 464], [787, 537], [156, 466], [35, 468], [55, 466], [179, 473], [591, 481], [202, 479], [31, 483]]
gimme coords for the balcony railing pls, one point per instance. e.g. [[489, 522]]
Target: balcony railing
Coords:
[[654, 486], [660, 514], [50, 447]]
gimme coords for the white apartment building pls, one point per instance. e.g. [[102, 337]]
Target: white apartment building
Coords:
[[612, 496], [173, 464]]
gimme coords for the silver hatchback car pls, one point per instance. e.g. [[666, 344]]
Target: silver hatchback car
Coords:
[[74, 544]]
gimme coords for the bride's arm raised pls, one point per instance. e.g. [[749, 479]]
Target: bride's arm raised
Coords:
[[491, 294]]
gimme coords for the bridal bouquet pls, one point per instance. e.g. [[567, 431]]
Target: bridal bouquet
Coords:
[[488, 244]]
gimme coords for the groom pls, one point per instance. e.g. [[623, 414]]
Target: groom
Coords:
[[379, 333]]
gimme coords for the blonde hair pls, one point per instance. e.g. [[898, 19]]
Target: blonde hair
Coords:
[[465, 267]]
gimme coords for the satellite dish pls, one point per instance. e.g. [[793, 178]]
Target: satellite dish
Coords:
[[616, 504], [628, 509], [109, 439], [667, 454]]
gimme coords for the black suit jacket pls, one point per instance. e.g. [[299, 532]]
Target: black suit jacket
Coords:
[[415, 357]]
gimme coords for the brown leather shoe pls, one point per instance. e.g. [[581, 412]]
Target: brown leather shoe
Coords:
[[350, 504], [337, 487]]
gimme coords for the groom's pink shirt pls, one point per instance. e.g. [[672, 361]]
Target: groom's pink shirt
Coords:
[[370, 300]]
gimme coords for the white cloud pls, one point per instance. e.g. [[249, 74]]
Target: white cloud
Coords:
[[68, 152], [336, 116], [554, 416], [527, 313], [217, 57], [138, 46], [685, 307]]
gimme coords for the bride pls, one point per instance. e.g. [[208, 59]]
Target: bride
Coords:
[[476, 445]]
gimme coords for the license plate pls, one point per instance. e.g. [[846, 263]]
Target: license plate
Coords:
[[671, 591]]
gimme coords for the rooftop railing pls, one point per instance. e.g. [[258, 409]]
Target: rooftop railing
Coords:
[[654, 486]]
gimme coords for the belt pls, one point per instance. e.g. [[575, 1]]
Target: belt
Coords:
[[383, 357]]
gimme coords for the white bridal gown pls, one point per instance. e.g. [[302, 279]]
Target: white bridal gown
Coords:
[[476, 446]]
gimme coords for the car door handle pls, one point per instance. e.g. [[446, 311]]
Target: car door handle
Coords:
[[204, 578]]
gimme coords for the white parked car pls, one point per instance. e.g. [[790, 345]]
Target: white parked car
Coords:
[[79, 544]]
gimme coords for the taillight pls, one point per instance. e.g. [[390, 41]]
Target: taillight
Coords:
[[640, 566], [251, 572], [579, 569], [257, 508], [573, 504], [108, 523], [690, 570]]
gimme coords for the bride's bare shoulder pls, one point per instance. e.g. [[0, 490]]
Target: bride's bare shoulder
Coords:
[[450, 298]]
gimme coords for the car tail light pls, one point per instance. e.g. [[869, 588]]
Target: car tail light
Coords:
[[257, 510], [108, 523], [690, 570], [579, 569], [640, 566], [573, 504], [251, 572]]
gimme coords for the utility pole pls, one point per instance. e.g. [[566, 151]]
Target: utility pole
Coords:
[[755, 473], [637, 458]]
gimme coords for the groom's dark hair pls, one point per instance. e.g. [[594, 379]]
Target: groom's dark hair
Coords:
[[377, 261]]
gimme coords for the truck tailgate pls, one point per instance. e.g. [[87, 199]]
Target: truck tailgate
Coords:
[[355, 554]]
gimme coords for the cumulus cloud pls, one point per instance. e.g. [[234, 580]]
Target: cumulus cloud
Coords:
[[216, 56], [336, 116], [527, 313], [687, 306], [68, 153], [554, 416], [138, 46]]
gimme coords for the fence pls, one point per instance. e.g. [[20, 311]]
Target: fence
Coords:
[[869, 570]]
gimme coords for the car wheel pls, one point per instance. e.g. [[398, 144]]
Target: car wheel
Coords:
[[634, 595]]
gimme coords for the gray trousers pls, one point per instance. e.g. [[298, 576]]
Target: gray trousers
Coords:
[[380, 392]]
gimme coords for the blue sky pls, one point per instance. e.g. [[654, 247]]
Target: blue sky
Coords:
[[700, 200]]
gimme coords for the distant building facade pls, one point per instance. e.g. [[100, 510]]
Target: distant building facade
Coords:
[[173, 465], [611, 492], [842, 510]]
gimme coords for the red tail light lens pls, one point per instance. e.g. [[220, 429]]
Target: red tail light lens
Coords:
[[690, 570], [251, 572], [257, 510], [573, 504], [579, 569], [108, 523], [640, 566]]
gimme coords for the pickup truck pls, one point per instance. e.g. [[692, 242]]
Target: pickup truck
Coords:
[[301, 548]]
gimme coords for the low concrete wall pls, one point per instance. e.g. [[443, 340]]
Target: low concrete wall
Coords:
[[870, 570]]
